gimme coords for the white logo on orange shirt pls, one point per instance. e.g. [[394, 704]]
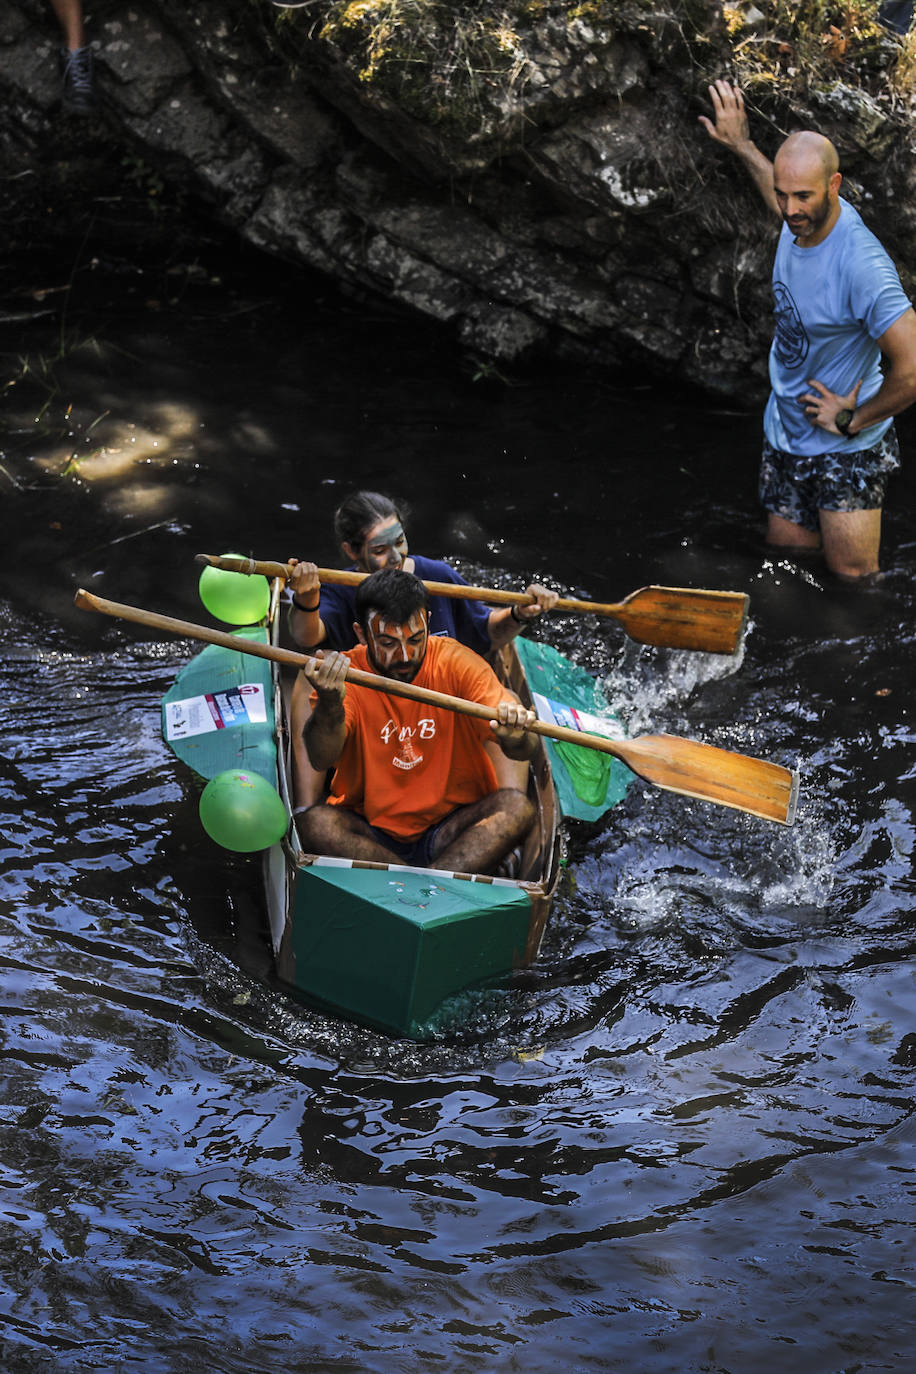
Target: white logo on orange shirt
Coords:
[[425, 728], [407, 757]]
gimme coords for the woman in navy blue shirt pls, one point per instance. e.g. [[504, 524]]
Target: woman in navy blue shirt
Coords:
[[371, 535]]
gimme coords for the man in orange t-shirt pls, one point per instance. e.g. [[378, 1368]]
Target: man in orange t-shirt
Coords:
[[414, 783]]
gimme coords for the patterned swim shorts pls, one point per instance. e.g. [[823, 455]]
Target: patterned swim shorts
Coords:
[[796, 487]]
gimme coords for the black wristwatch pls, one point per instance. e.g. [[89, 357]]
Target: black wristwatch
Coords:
[[843, 420]]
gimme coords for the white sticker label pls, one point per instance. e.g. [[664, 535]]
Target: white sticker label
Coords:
[[555, 713], [244, 705]]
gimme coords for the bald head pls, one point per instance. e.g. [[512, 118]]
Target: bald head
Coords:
[[806, 183], [812, 151]]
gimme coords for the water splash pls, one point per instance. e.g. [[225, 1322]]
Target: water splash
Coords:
[[646, 685]]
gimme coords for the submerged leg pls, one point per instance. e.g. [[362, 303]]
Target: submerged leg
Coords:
[[785, 534], [852, 539]]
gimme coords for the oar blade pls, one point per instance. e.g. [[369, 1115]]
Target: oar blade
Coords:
[[716, 775], [684, 618]]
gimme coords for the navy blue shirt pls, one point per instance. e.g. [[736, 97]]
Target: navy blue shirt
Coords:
[[453, 617]]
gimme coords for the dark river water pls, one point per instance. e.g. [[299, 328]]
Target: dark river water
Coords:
[[684, 1141]]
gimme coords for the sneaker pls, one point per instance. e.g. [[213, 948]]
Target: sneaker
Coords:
[[78, 95]]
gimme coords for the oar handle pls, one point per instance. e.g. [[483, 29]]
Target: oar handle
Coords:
[[87, 601], [459, 590]]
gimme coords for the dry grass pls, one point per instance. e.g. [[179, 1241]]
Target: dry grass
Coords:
[[442, 61], [462, 65], [465, 65], [793, 48], [903, 75]]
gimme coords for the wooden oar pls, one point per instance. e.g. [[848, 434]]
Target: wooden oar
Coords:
[[667, 617], [677, 765]]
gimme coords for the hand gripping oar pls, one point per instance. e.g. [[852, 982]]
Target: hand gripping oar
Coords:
[[677, 765], [667, 617]]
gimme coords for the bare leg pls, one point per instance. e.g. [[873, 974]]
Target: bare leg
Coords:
[[852, 539], [344, 834], [476, 838], [70, 17], [783, 534], [472, 840]]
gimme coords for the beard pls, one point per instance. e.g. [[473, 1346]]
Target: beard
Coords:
[[404, 672], [803, 226], [398, 672]]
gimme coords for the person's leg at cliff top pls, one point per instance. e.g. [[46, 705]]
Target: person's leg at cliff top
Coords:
[[78, 95]]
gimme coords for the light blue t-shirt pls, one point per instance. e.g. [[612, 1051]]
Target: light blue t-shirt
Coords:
[[831, 302]]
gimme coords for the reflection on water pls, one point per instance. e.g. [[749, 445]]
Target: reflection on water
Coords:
[[683, 1141]]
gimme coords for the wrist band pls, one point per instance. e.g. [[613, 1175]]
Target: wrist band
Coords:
[[299, 607], [513, 611]]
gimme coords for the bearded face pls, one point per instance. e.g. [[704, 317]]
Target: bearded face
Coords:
[[397, 651], [806, 196]]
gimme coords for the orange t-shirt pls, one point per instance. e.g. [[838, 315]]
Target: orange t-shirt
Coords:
[[406, 764]]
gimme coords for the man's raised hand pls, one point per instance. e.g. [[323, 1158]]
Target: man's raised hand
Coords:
[[730, 127]]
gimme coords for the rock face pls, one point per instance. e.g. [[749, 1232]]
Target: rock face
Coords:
[[562, 200]]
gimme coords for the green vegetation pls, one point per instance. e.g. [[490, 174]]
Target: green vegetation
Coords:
[[483, 69], [475, 68], [441, 61], [407, 37]]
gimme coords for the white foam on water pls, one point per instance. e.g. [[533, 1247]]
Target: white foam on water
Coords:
[[676, 860], [646, 683], [799, 867]]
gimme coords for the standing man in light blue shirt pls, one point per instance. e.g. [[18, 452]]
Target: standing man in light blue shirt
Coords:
[[829, 441]]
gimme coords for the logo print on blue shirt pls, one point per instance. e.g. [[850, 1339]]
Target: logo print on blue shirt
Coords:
[[790, 341]]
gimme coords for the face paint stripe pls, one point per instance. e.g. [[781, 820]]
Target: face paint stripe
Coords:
[[403, 654]]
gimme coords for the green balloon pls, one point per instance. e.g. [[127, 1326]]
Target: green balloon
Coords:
[[236, 598], [242, 812]]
